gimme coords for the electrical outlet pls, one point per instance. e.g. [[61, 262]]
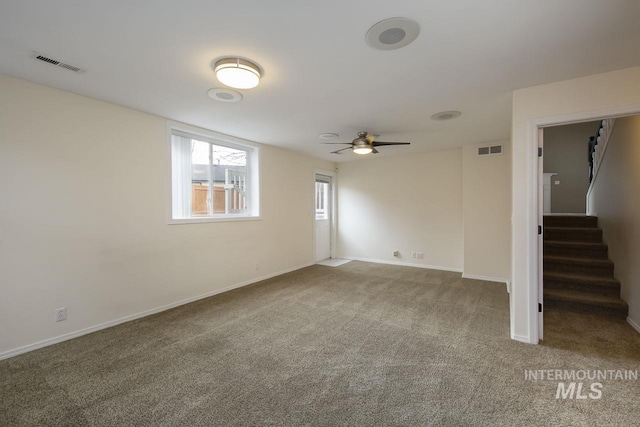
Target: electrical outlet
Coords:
[[396, 253], [61, 314], [419, 255]]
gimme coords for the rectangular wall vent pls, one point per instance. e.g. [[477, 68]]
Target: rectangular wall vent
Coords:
[[57, 63], [490, 150]]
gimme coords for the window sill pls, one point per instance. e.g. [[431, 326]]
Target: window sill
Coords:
[[214, 219]]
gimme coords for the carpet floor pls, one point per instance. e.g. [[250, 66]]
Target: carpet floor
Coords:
[[356, 345]]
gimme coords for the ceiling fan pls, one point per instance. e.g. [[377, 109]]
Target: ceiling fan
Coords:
[[364, 144]]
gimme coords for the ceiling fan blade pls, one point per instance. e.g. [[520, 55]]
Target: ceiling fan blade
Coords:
[[381, 143], [338, 151], [374, 151]]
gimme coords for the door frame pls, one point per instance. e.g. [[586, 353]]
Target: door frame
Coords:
[[535, 208], [540, 298], [333, 211]]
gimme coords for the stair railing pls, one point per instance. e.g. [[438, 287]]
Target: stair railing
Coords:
[[602, 139]]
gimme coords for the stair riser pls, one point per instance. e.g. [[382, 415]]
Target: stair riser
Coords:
[[582, 269], [578, 307], [571, 221], [585, 287], [578, 235], [594, 253]]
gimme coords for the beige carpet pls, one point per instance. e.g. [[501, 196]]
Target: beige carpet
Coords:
[[360, 344]]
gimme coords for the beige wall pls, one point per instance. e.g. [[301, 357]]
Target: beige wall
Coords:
[[453, 206], [615, 200], [77, 232], [411, 203], [486, 190], [582, 99], [566, 153]]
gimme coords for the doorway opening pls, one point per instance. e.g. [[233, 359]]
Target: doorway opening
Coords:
[[566, 167], [324, 216], [575, 267]]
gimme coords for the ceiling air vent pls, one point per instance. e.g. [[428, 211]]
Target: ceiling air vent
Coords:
[[57, 63], [490, 150]]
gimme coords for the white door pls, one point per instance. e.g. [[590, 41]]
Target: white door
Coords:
[[323, 217]]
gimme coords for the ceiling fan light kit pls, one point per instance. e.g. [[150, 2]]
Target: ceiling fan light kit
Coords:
[[237, 73], [362, 150]]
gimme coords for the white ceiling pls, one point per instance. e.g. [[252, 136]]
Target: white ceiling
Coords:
[[319, 74]]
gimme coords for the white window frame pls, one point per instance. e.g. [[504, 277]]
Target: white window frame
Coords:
[[252, 170]]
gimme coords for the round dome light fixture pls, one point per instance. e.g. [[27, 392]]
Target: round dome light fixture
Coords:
[[392, 33], [362, 150], [237, 73], [446, 115], [224, 94]]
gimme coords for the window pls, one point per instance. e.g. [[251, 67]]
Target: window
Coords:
[[322, 200], [212, 179]]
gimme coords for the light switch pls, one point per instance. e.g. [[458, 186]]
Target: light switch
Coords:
[[556, 182]]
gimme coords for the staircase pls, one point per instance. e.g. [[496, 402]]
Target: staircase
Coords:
[[578, 275]]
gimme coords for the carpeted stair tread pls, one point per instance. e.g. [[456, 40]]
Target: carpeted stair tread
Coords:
[[585, 229], [587, 303], [592, 266], [582, 245], [573, 234], [578, 260], [608, 286], [572, 277], [592, 250], [587, 299], [570, 221]]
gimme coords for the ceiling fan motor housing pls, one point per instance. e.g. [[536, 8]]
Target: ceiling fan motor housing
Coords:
[[361, 140]]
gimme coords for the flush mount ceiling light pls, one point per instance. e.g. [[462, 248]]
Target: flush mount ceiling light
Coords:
[[446, 115], [392, 33], [224, 95], [237, 73]]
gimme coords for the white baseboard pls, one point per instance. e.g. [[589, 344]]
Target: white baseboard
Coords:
[[633, 324], [405, 264], [95, 328], [521, 338], [485, 278]]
